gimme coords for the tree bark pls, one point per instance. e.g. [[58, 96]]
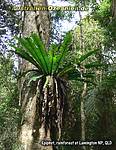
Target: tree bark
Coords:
[[84, 91], [114, 9], [83, 114], [31, 132]]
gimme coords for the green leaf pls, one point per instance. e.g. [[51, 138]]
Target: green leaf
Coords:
[[30, 47], [85, 56], [26, 56], [63, 49], [52, 60], [41, 51], [65, 70], [38, 54], [35, 78], [85, 80], [38, 71], [73, 75], [89, 75], [94, 65]]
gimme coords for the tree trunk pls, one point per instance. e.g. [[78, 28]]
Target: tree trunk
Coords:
[[83, 114], [114, 8], [84, 91], [31, 132]]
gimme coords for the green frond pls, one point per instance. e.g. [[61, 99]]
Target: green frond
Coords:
[[35, 51], [38, 71], [63, 49], [65, 70], [41, 51], [34, 78], [89, 75], [94, 65], [86, 81], [26, 56], [85, 56], [51, 59]]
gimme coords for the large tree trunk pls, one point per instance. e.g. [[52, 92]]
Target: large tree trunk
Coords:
[[31, 131], [84, 90]]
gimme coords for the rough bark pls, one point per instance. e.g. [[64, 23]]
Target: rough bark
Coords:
[[30, 134], [83, 114], [84, 87]]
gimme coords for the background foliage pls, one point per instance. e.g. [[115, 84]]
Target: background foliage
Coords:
[[100, 101]]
